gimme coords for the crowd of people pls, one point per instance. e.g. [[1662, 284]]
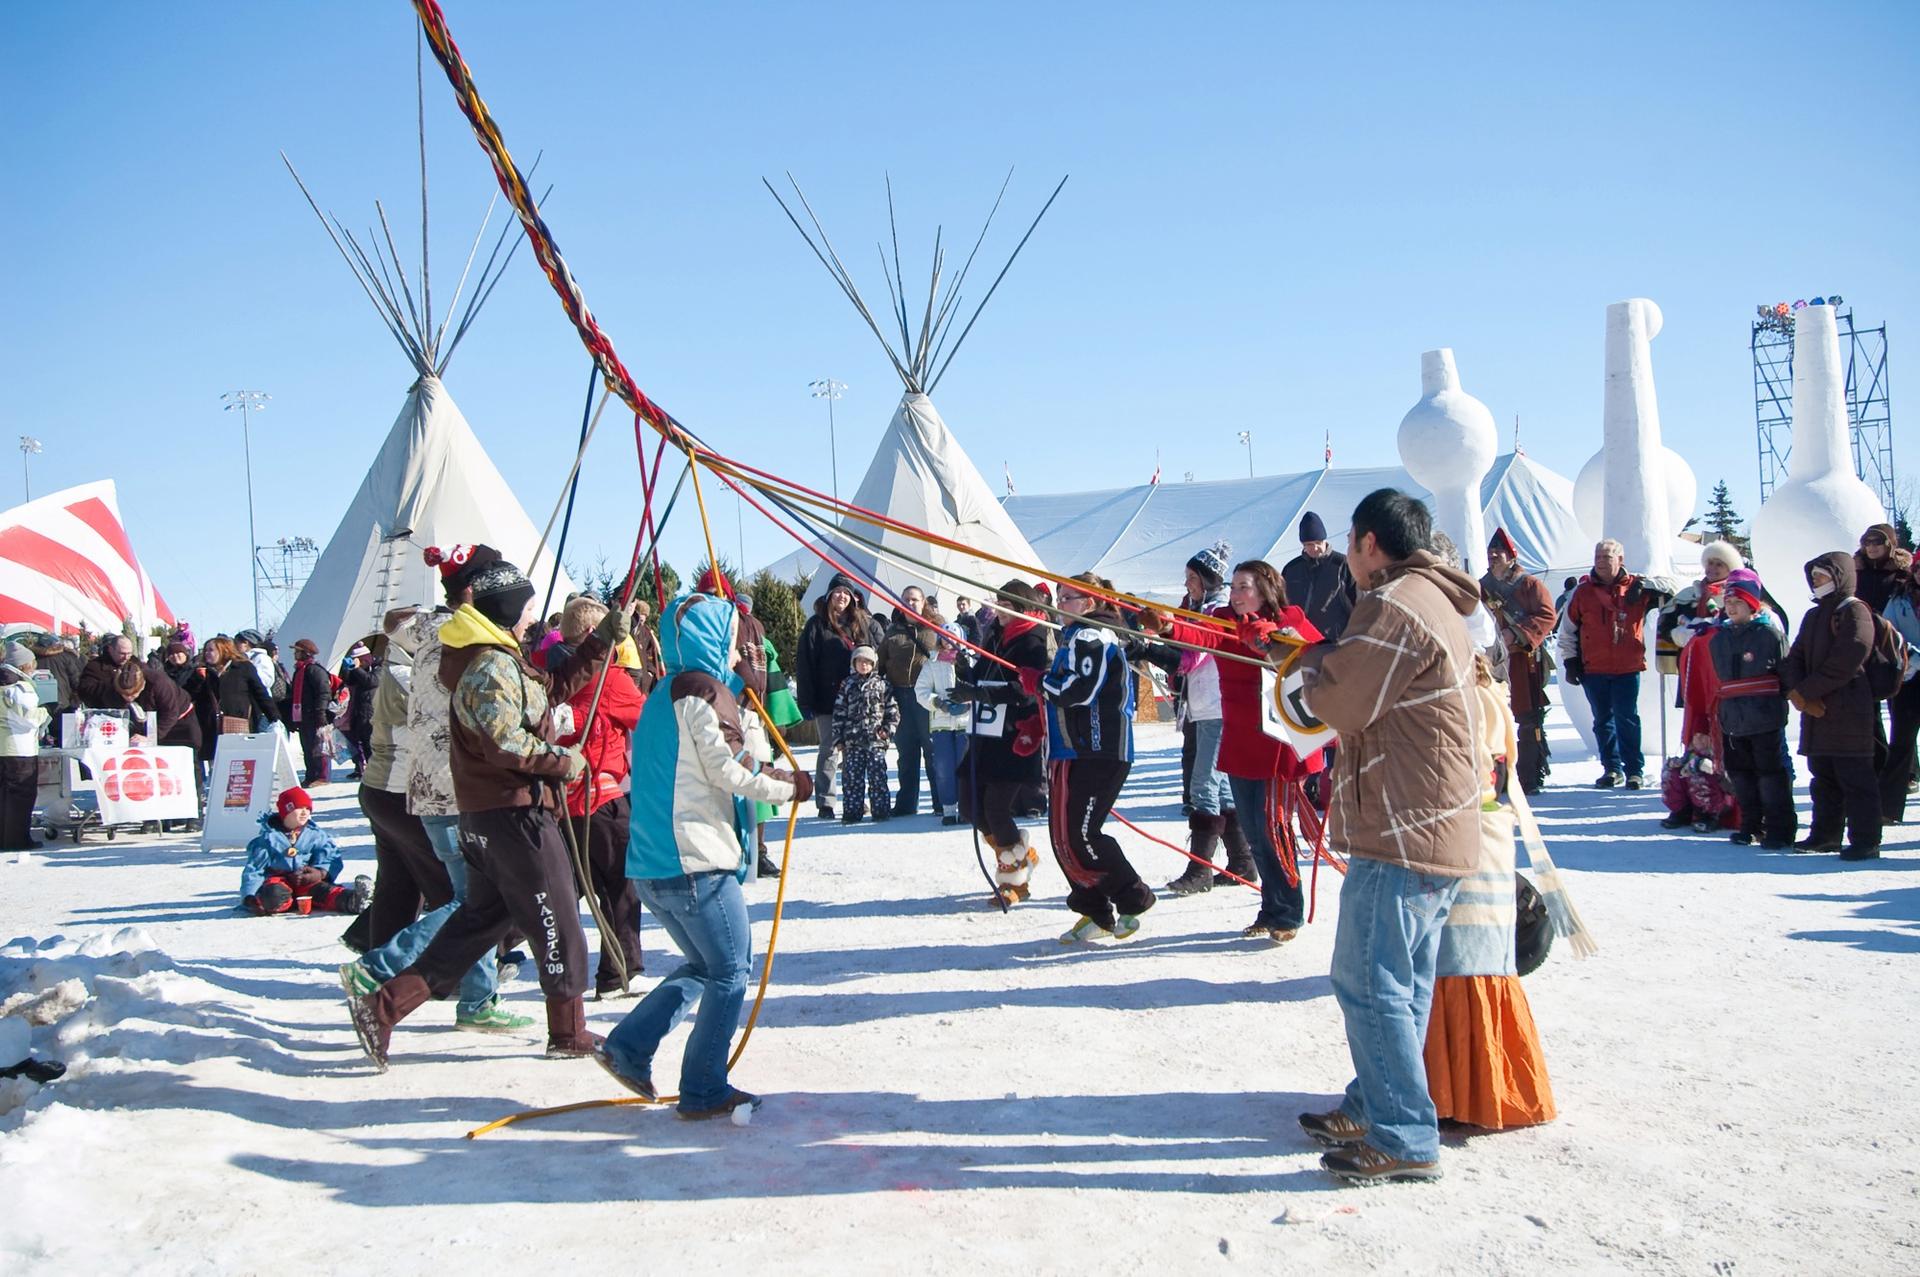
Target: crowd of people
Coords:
[[510, 768]]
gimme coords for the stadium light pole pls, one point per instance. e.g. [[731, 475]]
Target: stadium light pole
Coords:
[[28, 446], [247, 402], [829, 389], [1246, 437]]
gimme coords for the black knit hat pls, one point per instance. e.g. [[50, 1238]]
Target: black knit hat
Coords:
[[1213, 561], [1311, 528], [501, 593]]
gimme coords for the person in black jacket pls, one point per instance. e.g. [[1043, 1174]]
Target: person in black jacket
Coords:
[[1002, 768], [360, 680], [1090, 706], [237, 691], [310, 695], [1746, 653], [1317, 579], [839, 624]]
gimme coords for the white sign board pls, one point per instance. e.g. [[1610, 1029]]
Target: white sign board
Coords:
[[250, 770], [1285, 717], [143, 783]]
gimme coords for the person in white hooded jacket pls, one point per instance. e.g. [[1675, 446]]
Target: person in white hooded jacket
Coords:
[[21, 719], [948, 720]]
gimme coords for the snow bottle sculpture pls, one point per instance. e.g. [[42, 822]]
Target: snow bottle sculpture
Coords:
[[1823, 505], [1447, 444]]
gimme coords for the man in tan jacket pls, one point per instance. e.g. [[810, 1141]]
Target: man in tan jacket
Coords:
[[1398, 687]]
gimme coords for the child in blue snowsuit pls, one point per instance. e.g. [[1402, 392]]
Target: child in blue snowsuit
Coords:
[[292, 864], [694, 784]]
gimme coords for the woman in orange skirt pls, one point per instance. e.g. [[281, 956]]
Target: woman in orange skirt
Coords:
[[1484, 1063]]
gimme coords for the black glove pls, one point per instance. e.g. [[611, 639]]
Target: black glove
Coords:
[[963, 693], [1572, 671]]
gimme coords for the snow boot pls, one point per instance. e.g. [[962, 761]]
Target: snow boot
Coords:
[[1013, 869], [1239, 854], [1198, 877], [1086, 929], [567, 1036]]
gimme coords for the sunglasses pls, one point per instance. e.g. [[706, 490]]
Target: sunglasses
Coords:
[[1873, 540]]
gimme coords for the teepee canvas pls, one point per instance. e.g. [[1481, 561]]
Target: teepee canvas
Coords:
[[431, 483], [920, 475]]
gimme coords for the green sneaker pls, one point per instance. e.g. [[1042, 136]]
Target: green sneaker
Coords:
[[493, 1018], [1084, 930], [1125, 925], [357, 980]]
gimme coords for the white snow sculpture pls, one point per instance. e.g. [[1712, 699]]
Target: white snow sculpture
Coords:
[[1823, 505], [1589, 493], [1447, 443]]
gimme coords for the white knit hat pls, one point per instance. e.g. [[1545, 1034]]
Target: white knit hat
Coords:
[[865, 653]]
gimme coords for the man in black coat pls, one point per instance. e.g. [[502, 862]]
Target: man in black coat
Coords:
[[1317, 580]]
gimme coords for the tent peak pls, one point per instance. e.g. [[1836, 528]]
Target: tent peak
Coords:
[[922, 354]]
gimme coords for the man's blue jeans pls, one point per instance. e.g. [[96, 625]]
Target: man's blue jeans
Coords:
[[1615, 700], [1384, 951], [478, 986], [706, 915]]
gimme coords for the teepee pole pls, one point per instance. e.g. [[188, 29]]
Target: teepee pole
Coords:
[[961, 340], [427, 338]]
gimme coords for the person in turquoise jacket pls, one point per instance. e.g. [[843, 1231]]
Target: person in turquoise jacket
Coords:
[[292, 864], [694, 785]]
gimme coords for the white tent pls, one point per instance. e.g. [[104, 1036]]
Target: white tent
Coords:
[[431, 483], [1143, 536], [66, 562], [920, 475]]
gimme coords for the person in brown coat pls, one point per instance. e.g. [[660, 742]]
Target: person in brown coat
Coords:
[[1880, 566], [1399, 688], [1825, 677], [1523, 611]]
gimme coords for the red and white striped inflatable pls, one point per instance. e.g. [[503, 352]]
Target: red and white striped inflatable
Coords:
[[66, 562]]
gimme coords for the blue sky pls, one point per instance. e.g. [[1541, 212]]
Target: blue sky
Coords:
[[1273, 210]]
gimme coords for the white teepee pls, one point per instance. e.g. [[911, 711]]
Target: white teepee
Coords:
[[920, 475], [431, 483]]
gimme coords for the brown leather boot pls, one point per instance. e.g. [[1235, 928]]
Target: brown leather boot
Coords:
[[375, 1014], [1205, 831], [1239, 855], [567, 1036]]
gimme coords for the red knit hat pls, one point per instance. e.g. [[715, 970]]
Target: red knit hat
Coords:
[[291, 798], [1745, 593], [714, 581], [459, 559], [1503, 543]]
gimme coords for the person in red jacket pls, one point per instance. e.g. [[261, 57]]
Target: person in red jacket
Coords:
[[1255, 763], [1603, 649], [602, 791]]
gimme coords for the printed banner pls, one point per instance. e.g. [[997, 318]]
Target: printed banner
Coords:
[[249, 771], [143, 782]]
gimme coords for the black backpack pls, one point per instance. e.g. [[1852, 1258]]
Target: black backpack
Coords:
[[1886, 666]]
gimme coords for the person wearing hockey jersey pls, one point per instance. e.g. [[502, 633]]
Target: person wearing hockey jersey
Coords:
[[694, 785], [1090, 705], [1002, 769]]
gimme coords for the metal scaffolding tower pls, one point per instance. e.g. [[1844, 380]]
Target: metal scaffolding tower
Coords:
[[1869, 404], [283, 569]]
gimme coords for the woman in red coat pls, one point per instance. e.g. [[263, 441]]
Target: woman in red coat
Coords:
[[1255, 763], [602, 791]]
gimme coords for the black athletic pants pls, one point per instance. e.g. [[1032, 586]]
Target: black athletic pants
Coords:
[[1845, 793], [1530, 732], [407, 875], [19, 784], [1760, 772], [1897, 770], [604, 840], [1081, 791], [519, 875]]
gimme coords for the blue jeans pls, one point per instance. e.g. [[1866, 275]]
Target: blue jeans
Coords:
[[1207, 787], [478, 985], [706, 915], [1615, 699], [1384, 951], [1281, 902], [948, 749], [915, 724]]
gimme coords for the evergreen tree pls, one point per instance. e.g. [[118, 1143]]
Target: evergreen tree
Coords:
[[1723, 521]]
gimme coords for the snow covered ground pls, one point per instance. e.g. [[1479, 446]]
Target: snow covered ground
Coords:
[[949, 1090]]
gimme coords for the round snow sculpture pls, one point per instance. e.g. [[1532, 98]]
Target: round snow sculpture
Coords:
[[1447, 443]]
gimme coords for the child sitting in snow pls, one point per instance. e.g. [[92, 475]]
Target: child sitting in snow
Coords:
[[1692, 788], [865, 716], [292, 864]]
